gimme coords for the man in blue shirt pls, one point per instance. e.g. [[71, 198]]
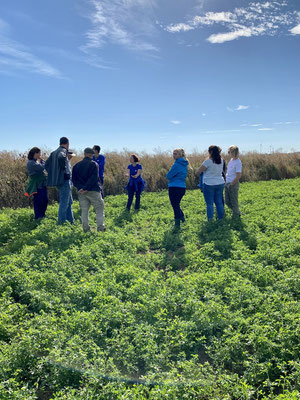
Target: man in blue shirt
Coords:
[[100, 160]]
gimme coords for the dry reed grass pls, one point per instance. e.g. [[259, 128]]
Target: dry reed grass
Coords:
[[256, 167]]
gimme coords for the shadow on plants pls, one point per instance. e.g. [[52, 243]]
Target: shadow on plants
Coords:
[[121, 219], [220, 234], [174, 251], [249, 240]]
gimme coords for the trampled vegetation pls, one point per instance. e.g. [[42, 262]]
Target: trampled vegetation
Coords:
[[140, 312]]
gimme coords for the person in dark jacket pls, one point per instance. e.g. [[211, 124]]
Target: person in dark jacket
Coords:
[[36, 186], [58, 170], [176, 177], [85, 176]]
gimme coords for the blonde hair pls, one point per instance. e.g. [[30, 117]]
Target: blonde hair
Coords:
[[181, 153], [234, 150]]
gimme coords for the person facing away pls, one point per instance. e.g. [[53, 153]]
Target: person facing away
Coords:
[[86, 180], [213, 182], [176, 177], [135, 184], [233, 176], [59, 175], [100, 160], [36, 186]]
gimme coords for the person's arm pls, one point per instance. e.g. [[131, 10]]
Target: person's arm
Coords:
[[172, 171], [201, 169], [102, 162], [75, 178], [127, 173], [139, 171], [48, 163], [62, 160], [35, 168], [236, 179]]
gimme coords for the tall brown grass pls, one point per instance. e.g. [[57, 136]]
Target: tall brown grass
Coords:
[[13, 175]]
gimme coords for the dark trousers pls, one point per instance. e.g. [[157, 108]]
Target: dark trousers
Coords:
[[175, 196], [40, 202], [131, 190]]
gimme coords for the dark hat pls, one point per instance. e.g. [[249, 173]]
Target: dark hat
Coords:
[[88, 150]]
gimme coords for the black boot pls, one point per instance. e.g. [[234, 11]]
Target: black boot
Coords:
[[177, 224]]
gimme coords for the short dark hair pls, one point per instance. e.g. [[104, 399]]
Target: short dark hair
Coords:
[[97, 148], [32, 152], [135, 157], [63, 140]]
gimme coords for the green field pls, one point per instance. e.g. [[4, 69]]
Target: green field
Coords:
[[140, 312]]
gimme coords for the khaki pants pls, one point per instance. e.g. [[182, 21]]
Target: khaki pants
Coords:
[[232, 198], [86, 200]]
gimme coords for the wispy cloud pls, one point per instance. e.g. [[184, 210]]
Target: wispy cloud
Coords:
[[267, 18], [128, 24], [241, 107], [265, 129], [14, 55], [175, 122], [295, 30], [254, 125], [238, 108]]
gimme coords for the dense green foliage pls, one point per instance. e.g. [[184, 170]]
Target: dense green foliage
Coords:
[[141, 312]]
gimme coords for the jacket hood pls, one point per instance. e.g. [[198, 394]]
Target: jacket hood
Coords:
[[181, 161]]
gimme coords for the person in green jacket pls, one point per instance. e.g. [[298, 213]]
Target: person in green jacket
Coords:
[[36, 186]]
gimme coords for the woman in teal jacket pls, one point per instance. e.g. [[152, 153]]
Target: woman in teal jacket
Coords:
[[176, 177]]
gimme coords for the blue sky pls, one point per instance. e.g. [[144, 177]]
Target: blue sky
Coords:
[[150, 74]]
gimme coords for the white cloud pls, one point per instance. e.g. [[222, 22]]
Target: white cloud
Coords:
[[238, 108], [255, 125], [175, 122], [179, 28], [14, 55], [124, 23], [268, 18], [283, 123], [228, 36], [265, 129], [241, 107], [295, 30], [203, 115]]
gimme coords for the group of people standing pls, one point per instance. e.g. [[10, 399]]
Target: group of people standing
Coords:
[[213, 180], [88, 175]]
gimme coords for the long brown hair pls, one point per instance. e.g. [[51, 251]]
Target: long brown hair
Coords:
[[215, 153]]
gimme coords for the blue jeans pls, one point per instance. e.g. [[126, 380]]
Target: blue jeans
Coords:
[[214, 194], [65, 212]]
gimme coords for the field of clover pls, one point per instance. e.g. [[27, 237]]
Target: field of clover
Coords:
[[140, 312]]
